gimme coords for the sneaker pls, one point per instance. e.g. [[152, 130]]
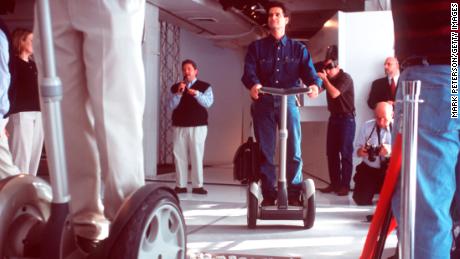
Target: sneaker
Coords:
[[328, 189], [180, 190], [268, 202], [343, 191], [200, 190]]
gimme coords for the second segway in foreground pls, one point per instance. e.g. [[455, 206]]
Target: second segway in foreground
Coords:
[[282, 211]]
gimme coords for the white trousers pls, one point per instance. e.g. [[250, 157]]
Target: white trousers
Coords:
[[7, 168], [98, 46], [26, 140], [189, 140]]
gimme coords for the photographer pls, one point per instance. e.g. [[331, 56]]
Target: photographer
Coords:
[[374, 146]]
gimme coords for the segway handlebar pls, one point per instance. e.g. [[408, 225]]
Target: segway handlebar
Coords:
[[285, 91]]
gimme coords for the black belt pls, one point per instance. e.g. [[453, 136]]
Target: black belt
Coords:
[[425, 61]]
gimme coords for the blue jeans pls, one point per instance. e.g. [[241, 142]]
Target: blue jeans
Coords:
[[437, 154], [266, 117], [339, 148]]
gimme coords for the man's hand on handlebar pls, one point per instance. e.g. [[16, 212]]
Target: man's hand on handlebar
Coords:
[[314, 90], [254, 92]]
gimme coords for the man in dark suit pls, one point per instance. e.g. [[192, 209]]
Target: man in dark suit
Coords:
[[384, 89]]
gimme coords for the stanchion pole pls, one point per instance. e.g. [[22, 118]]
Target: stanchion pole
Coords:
[[411, 93]]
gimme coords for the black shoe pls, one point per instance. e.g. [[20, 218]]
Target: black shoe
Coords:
[[268, 202], [200, 190], [87, 245], [369, 217], [328, 189], [180, 190]]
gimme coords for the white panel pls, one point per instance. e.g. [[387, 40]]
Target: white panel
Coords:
[[151, 54], [365, 40], [223, 69]]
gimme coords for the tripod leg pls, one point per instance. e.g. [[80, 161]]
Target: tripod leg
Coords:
[[383, 235]]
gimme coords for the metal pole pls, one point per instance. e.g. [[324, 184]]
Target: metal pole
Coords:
[[411, 93], [51, 95], [282, 185]]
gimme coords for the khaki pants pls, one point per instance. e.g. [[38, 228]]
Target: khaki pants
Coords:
[[26, 140], [99, 60], [7, 168], [189, 139]]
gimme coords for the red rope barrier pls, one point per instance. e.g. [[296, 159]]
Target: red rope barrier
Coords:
[[384, 203]]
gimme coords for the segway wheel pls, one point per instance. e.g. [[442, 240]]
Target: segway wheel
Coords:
[[156, 230], [309, 204], [253, 207], [24, 209]]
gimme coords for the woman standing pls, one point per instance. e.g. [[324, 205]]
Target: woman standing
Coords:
[[25, 123]]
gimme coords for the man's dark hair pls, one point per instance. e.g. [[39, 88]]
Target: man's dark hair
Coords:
[[272, 4], [189, 61], [332, 53]]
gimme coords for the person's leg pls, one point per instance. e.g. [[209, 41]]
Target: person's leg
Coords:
[[332, 150], [112, 51], [180, 139], [80, 146], [37, 143], [7, 168], [437, 153], [294, 153], [265, 131], [20, 127], [347, 132], [198, 139], [364, 184]]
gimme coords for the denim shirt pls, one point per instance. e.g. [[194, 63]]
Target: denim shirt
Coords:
[[278, 64]]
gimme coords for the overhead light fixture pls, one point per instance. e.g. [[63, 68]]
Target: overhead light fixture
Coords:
[[253, 9]]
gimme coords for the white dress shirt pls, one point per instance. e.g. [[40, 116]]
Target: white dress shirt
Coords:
[[366, 136]]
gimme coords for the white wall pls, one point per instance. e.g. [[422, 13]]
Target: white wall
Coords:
[[365, 40], [222, 68]]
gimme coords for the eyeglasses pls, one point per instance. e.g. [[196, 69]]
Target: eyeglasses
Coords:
[[330, 66]]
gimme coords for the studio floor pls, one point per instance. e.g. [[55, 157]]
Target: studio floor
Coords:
[[216, 224]]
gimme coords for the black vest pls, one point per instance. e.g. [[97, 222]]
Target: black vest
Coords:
[[189, 113]]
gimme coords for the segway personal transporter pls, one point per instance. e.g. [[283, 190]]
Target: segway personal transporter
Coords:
[[34, 215], [282, 211]]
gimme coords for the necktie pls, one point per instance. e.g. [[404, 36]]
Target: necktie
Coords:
[[393, 87]]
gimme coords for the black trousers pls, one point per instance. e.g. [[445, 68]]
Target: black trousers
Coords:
[[368, 182]]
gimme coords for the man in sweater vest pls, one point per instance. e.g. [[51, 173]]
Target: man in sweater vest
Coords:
[[191, 98]]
